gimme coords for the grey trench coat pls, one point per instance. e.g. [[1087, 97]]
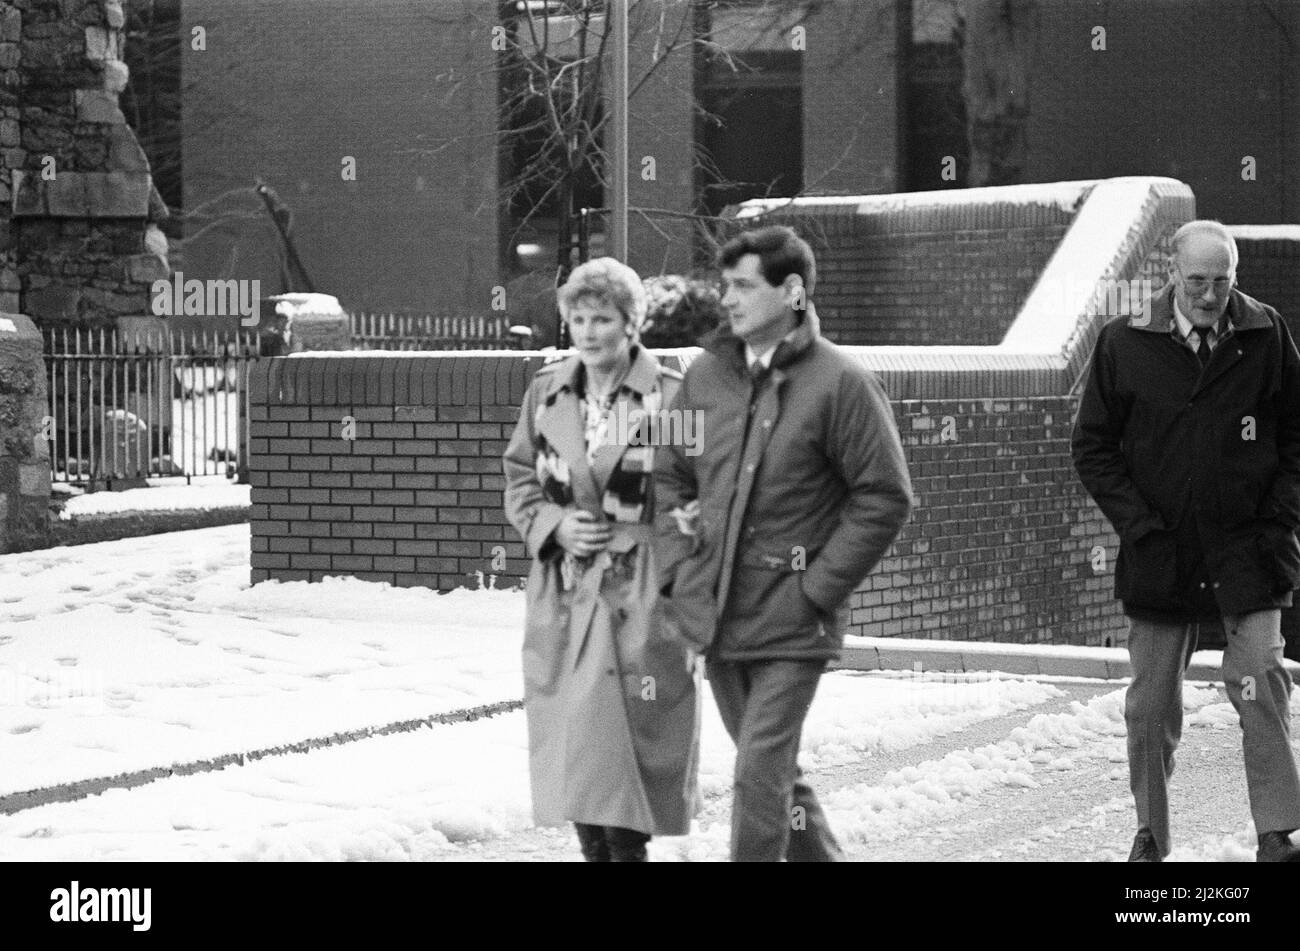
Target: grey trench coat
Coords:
[[612, 703]]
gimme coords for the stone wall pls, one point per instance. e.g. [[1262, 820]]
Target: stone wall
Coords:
[[81, 245], [24, 453]]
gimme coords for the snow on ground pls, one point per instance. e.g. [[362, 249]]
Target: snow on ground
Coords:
[[140, 653], [133, 654], [213, 495], [451, 790], [931, 791], [204, 423]]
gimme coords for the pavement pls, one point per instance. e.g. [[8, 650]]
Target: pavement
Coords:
[[1045, 660]]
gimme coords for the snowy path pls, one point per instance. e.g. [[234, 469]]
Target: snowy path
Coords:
[[142, 653]]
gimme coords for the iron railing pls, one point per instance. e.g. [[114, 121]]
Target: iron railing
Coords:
[[405, 330], [135, 405]]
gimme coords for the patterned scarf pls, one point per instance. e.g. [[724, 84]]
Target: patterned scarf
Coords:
[[627, 492]]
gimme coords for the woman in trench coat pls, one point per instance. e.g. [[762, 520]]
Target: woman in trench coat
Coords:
[[612, 703]]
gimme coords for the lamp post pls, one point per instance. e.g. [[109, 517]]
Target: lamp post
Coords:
[[618, 106]]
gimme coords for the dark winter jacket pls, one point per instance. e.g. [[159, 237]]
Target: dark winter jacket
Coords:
[[1197, 470], [799, 497]]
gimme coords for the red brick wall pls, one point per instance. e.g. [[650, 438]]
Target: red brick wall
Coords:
[[1000, 546]]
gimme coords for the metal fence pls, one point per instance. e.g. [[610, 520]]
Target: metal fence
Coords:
[[405, 330], [131, 406]]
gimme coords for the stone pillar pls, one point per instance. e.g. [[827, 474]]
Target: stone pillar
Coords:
[[11, 152], [24, 452], [83, 203]]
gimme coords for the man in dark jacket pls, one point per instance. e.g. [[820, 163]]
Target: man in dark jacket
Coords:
[[797, 489], [1188, 437]]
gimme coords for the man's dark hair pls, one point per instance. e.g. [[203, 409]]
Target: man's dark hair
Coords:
[[781, 252]]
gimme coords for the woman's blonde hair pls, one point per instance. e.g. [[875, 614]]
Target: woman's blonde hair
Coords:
[[606, 281]]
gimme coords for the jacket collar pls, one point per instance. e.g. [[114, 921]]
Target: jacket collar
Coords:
[[642, 377], [731, 349], [1244, 312]]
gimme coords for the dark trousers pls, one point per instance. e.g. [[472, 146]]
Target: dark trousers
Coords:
[[1258, 687], [775, 814], [611, 844]]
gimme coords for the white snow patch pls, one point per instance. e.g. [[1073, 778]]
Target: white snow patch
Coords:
[[1266, 232], [297, 303], [1063, 195], [196, 498]]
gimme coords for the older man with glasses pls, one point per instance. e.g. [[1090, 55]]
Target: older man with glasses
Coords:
[[1188, 437]]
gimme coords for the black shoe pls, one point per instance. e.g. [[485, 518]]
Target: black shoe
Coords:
[[1276, 847], [1145, 848]]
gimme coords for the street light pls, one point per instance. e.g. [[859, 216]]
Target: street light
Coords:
[[618, 105]]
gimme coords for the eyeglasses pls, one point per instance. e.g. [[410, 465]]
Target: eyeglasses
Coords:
[[1197, 285]]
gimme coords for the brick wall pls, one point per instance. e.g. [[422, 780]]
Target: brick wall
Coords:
[[285, 90], [929, 288], [1003, 542], [1000, 548], [414, 498], [1124, 111], [1269, 270], [925, 275]]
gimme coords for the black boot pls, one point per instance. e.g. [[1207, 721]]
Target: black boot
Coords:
[[1145, 848], [1276, 847], [592, 840], [626, 845]]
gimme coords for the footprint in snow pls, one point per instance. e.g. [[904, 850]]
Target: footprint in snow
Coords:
[[67, 661], [24, 728]]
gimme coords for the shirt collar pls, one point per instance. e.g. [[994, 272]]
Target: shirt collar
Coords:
[[766, 356], [1185, 326]]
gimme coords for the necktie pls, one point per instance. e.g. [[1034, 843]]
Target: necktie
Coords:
[[1203, 350]]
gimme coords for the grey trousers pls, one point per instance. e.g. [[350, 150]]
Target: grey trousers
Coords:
[[1259, 688], [774, 813]]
